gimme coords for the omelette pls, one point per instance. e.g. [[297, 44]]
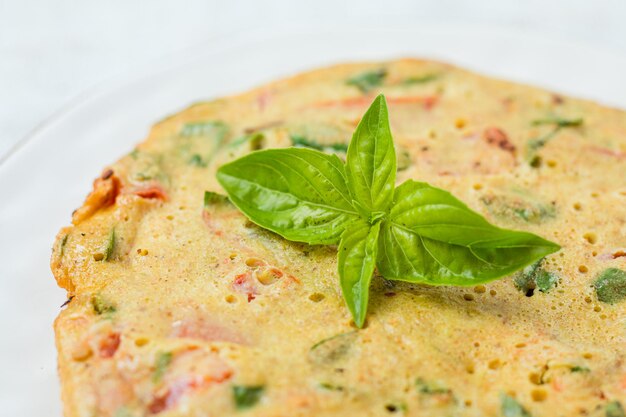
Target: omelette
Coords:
[[178, 305]]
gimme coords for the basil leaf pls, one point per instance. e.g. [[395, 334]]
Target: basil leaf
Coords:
[[300, 194], [415, 233], [357, 260], [371, 159], [431, 237]]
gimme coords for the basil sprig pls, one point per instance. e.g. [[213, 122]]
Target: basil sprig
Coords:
[[413, 232]]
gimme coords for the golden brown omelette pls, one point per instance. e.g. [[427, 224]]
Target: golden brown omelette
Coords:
[[180, 306]]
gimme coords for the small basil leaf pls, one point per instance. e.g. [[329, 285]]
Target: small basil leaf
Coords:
[[357, 260], [300, 194], [432, 237], [371, 159]]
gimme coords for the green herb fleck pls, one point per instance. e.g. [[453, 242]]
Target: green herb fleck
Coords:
[[431, 387], [162, 361], [123, 412], [369, 80], [580, 369], [611, 285], [102, 306], [534, 214], [422, 79], [207, 128], [211, 198], [396, 407], [614, 409], [519, 207], [149, 166], [404, 160], [109, 249], [413, 232], [511, 408], [303, 142], [534, 145], [247, 396], [559, 122], [256, 141], [62, 245], [535, 277], [201, 141], [331, 387], [333, 348], [196, 160]]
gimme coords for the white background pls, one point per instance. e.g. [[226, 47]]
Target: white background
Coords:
[[53, 50]]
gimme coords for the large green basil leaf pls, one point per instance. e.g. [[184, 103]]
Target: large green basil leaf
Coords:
[[357, 260], [371, 159], [433, 238], [300, 194]]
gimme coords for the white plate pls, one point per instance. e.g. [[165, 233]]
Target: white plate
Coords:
[[50, 173]]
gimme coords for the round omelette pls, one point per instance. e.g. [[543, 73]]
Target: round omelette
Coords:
[[178, 305]]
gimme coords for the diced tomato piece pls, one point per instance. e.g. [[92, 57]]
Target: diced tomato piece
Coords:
[[108, 345], [496, 136], [205, 329], [106, 188], [153, 191], [185, 386], [243, 283]]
